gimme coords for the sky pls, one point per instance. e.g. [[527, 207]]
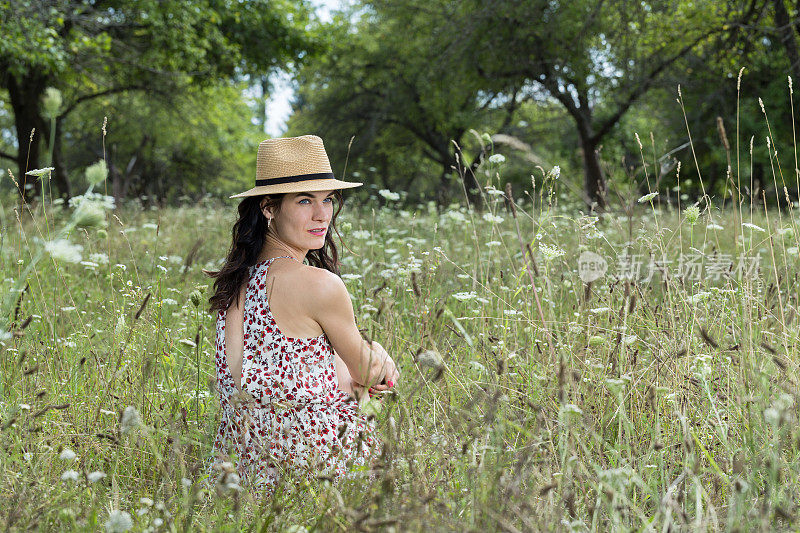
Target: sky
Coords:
[[278, 105]]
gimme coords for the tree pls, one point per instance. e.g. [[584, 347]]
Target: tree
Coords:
[[385, 84], [95, 48], [596, 58]]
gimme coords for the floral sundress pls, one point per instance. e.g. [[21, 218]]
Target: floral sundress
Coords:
[[290, 418]]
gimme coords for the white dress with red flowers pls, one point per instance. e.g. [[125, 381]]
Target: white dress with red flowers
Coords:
[[290, 417]]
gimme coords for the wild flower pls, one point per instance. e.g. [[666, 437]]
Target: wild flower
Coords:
[[465, 296], [456, 216], [63, 250], [475, 365], [598, 310], [753, 227], [196, 297], [130, 420], [351, 277], [96, 173], [361, 234], [24, 407], [550, 252], [70, 475], [491, 190], [596, 340], [119, 329], [51, 102], [389, 195], [39, 172], [90, 214], [692, 214], [488, 217], [699, 297], [99, 258], [118, 521], [647, 197], [497, 159], [430, 359], [67, 455], [146, 501], [714, 227], [554, 173], [94, 477]]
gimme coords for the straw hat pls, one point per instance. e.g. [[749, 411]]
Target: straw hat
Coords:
[[293, 164]]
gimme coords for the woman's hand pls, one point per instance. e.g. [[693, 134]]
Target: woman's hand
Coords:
[[389, 374]]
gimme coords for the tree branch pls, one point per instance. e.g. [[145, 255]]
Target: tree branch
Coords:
[[6, 155], [113, 90], [645, 84]]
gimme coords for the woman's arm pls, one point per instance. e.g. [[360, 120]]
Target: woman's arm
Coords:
[[343, 376], [329, 304]]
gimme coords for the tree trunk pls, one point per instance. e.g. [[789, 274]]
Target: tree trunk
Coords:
[[25, 94], [594, 183], [786, 32], [60, 174]]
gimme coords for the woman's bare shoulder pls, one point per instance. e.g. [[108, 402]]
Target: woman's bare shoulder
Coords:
[[318, 280]]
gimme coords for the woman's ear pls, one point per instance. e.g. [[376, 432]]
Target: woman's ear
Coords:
[[265, 210]]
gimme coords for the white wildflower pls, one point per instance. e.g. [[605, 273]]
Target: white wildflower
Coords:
[[753, 227], [456, 216], [361, 234], [51, 103], [699, 297], [464, 296], [63, 250], [95, 476], [497, 159], [130, 420], [554, 173], [24, 407], [488, 217], [69, 475], [598, 310], [118, 521], [350, 277], [692, 214], [96, 173], [647, 197], [90, 215], [550, 252], [99, 258], [39, 172], [169, 301], [475, 365], [120, 327], [430, 359], [389, 195], [146, 501], [67, 455], [714, 227]]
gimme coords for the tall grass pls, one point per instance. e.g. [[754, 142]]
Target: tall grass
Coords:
[[654, 400]]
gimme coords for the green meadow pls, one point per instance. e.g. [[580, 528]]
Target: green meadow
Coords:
[[659, 396]]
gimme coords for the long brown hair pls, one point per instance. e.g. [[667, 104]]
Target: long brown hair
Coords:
[[248, 236]]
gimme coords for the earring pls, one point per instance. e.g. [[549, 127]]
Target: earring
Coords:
[[268, 221]]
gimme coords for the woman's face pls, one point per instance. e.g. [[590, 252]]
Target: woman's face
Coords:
[[303, 219]]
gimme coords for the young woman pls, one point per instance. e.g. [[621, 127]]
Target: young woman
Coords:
[[289, 357]]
